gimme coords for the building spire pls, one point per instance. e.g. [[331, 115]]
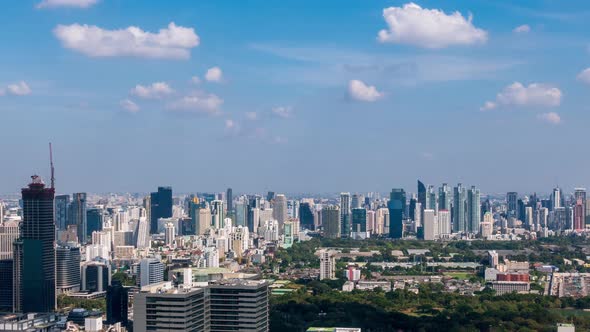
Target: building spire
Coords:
[[51, 164]]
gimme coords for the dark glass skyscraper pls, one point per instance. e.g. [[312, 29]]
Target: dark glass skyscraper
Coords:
[[94, 218], [230, 201], [359, 220], [77, 213], [34, 251], [117, 303], [62, 203], [421, 196], [306, 216], [160, 207], [397, 206]]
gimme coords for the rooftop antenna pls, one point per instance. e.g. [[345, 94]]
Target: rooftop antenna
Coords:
[[52, 169]]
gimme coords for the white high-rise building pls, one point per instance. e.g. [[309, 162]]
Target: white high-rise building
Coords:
[[217, 213], [327, 265], [169, 234], [203, 221], [151, 271], [280, 210], [212, 257], [444, 223], [430, 225], [8, 233]]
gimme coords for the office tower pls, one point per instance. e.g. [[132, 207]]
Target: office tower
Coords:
[[580, 194], [431, 200], [239, 305], [6, 289], [77, 213], [8, 234], [359, 220], [169, 234], [203, 221], [459, 209], [345, 215], [229, 198], [270, 196], [327, 265], [473, 210], [485, 207], [331, 221], [306, 216], [94, 220], [371, 226], [444, 223], [556, 199], [279, 210], [422, 196], [579, 215], [1, 212], [62, 203], [356, 201], [241, 213], [412, 208], [528, 218], [95, 276], [396, 206], [117, 303], [163, 308], [34, 251], [444, 197], [430, 228], [217, 214], [511, 202], [543, 217], [417, 216], [160, 207], [67, 269], [151, 271], [142, 236]]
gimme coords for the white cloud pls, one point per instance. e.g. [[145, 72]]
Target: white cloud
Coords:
[[525, 28], [16, 89], [229, 124], [358, 90], [214, 74], [251, 115], [429, 28], [129, 106], [173, 42], [536, 94], [282, 111], [66, 3], [551, 117], [584, 76], [154, 91], [195, 79], [198, 102]]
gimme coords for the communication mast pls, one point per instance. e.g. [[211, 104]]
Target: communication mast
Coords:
[[52, 169]]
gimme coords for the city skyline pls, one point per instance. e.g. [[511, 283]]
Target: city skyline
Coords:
[[342, 90]]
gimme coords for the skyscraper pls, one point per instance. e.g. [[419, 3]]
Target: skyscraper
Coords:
[[8, 233], [512, 205], [556, 199], [117, 303], [431, 201], [473, 210], [331, 221], [422, 196], [217, 214], [229, 197], [62, 203], [356, 201], [34, 251], [77, 213], [94, 220], [444, 197], [430, 229], [580, 196], [396, 206], [459, 209], [345, 215], [306, 216], [359, 220], [279, 210], [67, 269], [160, 207]]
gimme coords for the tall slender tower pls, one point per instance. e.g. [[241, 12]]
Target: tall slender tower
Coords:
[[345, 211], [34, 251], [459, 209]]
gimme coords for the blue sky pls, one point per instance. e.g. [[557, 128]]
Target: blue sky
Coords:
[[482, 103]]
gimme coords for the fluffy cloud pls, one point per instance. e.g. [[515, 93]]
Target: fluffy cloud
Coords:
[[525, 28], [154, 91], [551, 117], [173, 42], [282, 111], [358, 90], [129, 106], [429, 28], [584, 76], [66, 3], [16, 89], [198, 103], [214, 74], [535, 95]]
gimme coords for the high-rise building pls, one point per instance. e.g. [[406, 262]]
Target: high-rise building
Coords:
[[217, 214], [8, 234], [169, 234], [306, 216], [62, 204], [580, 196], [6, 289], [359, 220], [95, 276], [345, 211], [327, 265], [94, 220], [239, 305], [422, 196], [512, 205], [431, 199], [117, 303], [34, 251], [473, 210], [77, 213], [444, 223], [556, 199], [444, 197], [241, 213], [151, 271], [279, 210], [356, 201], [203, 221], [396, 206], [430, 229], [331, 221], [229, 198], [579, 215], [160, 207], [459, 209], [67, 268], [412, 209]]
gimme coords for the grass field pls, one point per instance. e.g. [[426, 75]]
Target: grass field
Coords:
[[459, 275]]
